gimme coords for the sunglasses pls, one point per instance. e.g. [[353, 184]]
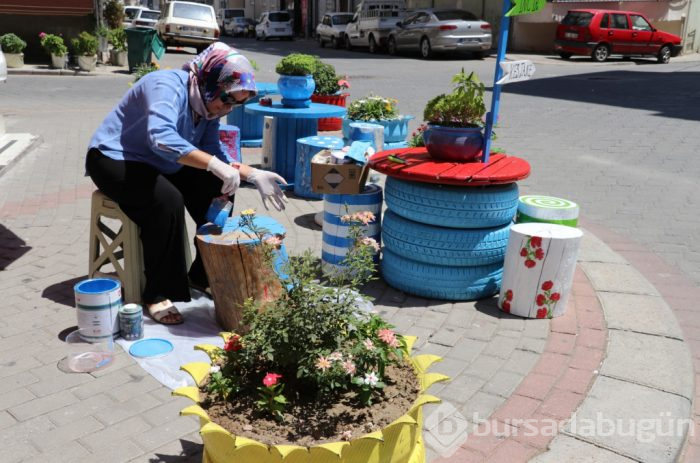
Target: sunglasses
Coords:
[[229, 99]]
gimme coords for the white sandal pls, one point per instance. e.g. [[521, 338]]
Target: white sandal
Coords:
[[159, 311]]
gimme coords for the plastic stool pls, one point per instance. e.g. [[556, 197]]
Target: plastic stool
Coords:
[[121, 247]]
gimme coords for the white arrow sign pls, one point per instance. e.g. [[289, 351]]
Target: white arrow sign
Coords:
[[516, 71]]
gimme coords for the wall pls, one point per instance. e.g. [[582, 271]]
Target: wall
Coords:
[[691, 36]]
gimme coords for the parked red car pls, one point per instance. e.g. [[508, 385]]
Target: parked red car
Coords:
[[600, 33]]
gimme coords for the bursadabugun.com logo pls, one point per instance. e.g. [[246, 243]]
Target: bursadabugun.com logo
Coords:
[[446, 429]]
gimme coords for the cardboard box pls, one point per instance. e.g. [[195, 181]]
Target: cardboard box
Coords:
[[336, 179]]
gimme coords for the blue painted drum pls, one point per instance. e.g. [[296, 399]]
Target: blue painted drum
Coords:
[[335, 232], [251, 125], [98, 301], [395, 130], [307, 147]]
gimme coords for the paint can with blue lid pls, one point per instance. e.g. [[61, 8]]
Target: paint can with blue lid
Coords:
[[98, 301], [131, 322]]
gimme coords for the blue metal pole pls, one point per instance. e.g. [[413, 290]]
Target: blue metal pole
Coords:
[[492, 116]]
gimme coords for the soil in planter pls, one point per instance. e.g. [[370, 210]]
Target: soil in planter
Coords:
[[310, 421]]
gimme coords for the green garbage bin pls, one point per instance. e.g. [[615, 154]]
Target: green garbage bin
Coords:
[[141, 42]]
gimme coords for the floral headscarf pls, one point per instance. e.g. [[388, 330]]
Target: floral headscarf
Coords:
[[218, 69]]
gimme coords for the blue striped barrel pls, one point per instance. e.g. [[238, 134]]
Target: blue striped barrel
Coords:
[[335, 233], [307, 147], [98, 301], [230, 141]]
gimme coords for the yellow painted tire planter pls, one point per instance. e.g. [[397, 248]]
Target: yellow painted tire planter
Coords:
[[399, 442]]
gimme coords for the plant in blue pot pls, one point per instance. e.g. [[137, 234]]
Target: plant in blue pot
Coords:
[[455, 121], [296, 83], [382, 111]]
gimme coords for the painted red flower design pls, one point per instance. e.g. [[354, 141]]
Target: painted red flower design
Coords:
[[505, 301], [546, 300], [532, 251]]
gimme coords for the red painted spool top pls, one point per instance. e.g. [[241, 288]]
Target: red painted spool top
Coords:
[[420, 167]]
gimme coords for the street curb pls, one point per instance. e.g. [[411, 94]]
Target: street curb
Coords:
[[633, 384]]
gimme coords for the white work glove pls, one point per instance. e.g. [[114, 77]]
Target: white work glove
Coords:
[[229, 175], [266, 183]]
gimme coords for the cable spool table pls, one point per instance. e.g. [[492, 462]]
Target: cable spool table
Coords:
[[292, 124], [251, 127], [442, 201]]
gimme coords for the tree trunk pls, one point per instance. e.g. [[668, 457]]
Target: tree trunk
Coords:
[[237, 270]]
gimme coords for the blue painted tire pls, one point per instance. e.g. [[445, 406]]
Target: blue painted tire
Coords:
[[452, 206], [439, 281], [467, 247]]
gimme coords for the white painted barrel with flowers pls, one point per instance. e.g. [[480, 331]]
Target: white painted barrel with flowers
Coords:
[[539, 269]]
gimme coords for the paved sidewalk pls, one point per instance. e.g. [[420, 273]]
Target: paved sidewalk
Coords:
[[618, 350]]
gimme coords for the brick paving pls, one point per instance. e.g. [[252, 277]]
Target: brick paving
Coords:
[[502, 367]]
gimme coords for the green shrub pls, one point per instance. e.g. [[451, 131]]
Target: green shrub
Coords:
[[372, 107], [464, 107], [12, 44], [117, 37], [326, 79], [85, 44], [143, 69], [53, 44], [296, 64], [113, 14]]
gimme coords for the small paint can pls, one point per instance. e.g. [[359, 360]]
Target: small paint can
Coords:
[[131, 322]]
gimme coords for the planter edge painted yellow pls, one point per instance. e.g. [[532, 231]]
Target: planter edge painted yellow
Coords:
[[399, 442]]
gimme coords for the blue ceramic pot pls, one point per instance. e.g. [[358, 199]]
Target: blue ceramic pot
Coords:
[[395, 130], [456, 144], [296, 91]]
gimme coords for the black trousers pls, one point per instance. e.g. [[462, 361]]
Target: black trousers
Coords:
[[156, 203]]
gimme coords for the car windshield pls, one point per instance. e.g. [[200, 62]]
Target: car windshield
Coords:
[[453, 15], [234, 14], [188, 11], [577, 18], [279, 17], [150, 15], [341, 20], [130, 13]]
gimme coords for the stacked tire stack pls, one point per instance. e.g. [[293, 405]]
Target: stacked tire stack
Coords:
[[446, 242]]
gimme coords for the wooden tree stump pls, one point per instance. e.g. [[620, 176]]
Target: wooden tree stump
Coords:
[[235, 264]]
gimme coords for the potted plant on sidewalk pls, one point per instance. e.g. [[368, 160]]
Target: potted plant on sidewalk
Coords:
[[315, 376], [455, 121], [328, 90], [378, 110], [296, 82], [54, 46], [85, 46], [118, 55], [12, 47]]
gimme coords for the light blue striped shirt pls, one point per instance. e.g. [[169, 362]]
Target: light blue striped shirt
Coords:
[[153, 124]]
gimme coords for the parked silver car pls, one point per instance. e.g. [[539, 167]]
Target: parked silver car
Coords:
[[331, 29], [433, 30]]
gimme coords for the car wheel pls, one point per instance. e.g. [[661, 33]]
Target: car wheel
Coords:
[[335, 43], [372, 44], [264, 36], [320, 42], [425, 51], [664, 55], [391, 46], [348, 45], [478, 55], [257, 37], [564, 55], [600, 53]]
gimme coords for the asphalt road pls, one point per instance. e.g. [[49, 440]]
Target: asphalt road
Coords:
[[620, 138]]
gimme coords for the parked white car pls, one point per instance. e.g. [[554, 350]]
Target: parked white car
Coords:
[[188, 24], [331, 29], [130, 12], [3, 67], [226, 19], [275, 24], [146, 18]]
